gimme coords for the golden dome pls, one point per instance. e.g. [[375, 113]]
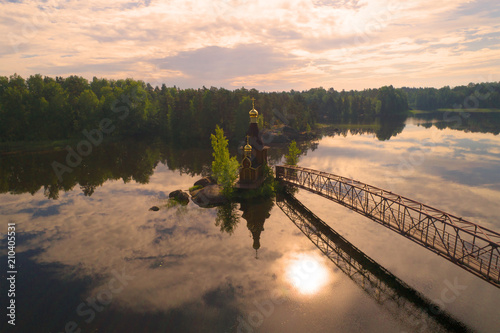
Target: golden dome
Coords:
[[253, 113], [247, 148]]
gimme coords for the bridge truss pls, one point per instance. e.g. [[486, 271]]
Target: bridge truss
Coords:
[[466, 244], [398, 298]]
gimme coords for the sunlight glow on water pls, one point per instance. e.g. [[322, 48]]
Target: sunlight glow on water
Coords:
[[307, 274]]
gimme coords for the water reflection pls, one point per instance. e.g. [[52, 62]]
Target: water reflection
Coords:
[[227, 217], [307, 273], [382, 128], [22, 172], [124, 160], [395, 295], [256, 213], [191, 277], [475, 122], [390, 128]]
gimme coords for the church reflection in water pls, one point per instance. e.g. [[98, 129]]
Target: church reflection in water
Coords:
[[255, 212]]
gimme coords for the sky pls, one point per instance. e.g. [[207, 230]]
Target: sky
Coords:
[[269, 45]]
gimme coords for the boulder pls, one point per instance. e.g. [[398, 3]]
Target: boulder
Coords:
[[154, 208], [180, 196], [210, 195], [205, 181]]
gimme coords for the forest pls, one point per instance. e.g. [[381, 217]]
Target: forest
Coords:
[[472, 96], [46, 108]]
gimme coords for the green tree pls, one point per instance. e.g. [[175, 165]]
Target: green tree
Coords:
[[393, 101], [87, 106], [224, 167], [241, 118], [293, 154]]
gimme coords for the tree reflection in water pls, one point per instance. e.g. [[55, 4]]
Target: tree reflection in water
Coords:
[[133, 160]]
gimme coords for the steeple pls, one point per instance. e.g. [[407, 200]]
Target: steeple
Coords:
[[253, 129], [254, 114]]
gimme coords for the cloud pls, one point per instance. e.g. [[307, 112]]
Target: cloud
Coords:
[[339, 3], [222, 64], [82, 68], [295, 44]]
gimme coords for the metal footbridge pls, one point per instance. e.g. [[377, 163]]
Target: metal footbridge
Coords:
[[466, 244]]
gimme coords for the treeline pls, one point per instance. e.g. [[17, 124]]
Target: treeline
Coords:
[[355, 106], [45, 108], [472, 96]]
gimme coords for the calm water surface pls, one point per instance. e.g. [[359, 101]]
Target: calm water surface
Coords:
[[91, 256]]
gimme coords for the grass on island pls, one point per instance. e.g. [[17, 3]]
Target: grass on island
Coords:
[[195, 187]]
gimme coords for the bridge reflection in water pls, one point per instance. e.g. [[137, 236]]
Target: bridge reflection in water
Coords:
[[401, 300], [466, 244]]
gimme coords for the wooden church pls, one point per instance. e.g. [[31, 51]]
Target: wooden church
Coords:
[[254, 155]]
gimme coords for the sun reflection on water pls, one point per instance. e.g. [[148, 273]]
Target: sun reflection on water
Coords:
[[307, 273]]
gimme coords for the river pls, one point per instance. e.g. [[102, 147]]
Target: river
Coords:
[[91, 256]]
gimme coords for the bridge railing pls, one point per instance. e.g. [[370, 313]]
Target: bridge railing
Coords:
[[466, 244]]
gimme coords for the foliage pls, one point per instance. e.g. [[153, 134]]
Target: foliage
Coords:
[[392, 102], [293, 154], [473, 96], [224, 167]]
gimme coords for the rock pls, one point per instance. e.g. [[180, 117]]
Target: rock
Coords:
[[154, 208], [210, 195], [180, 196], [205, 181]]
